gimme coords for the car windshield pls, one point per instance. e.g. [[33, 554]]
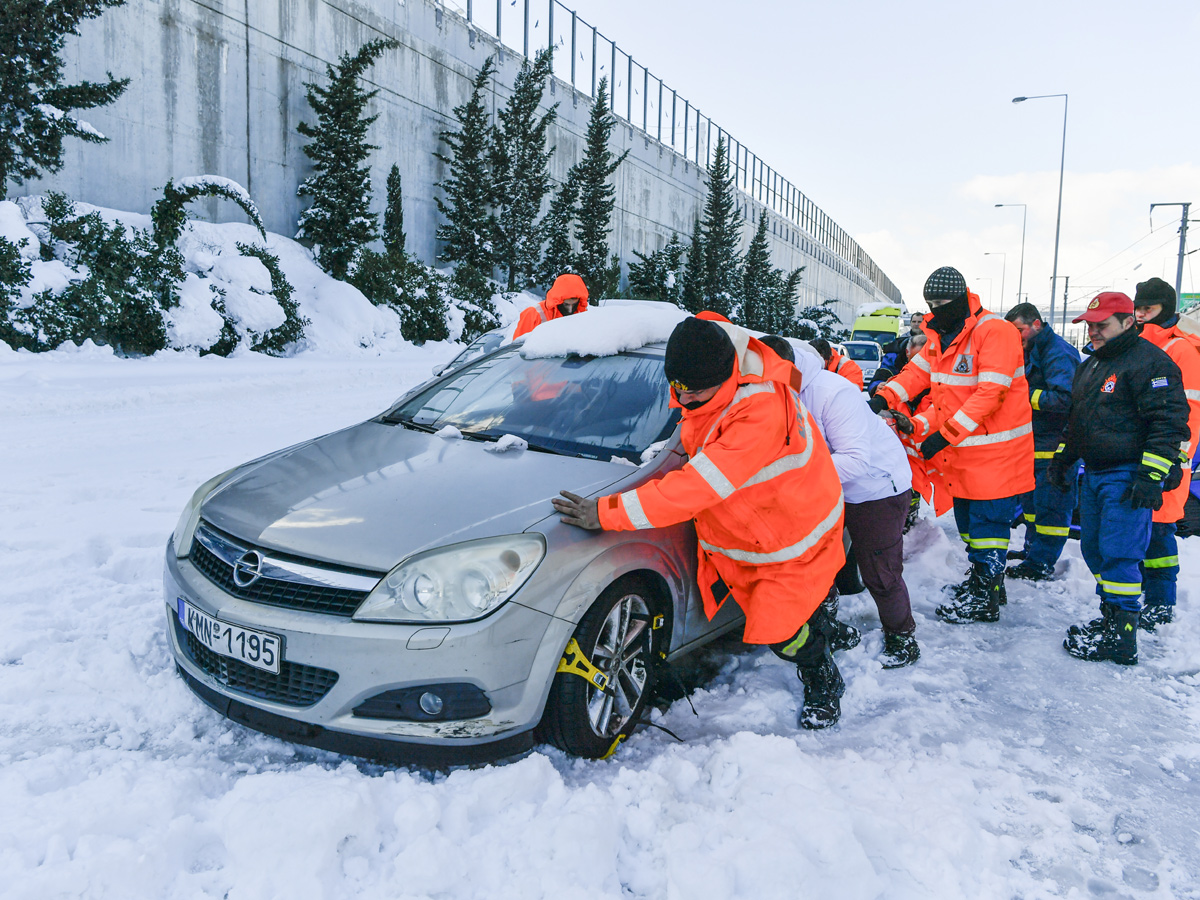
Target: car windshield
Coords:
[[481, 346], [879, 337], [863, 351], [595, 407]]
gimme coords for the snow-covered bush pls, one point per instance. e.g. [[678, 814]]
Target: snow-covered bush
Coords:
[[292, 329]]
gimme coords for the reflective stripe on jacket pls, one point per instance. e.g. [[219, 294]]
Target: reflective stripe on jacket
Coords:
[[1180, 346], [846, 367], [764, 494], [979, 403], [564, 286]]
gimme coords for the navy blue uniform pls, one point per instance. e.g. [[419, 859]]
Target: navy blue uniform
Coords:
[[1050, 364]]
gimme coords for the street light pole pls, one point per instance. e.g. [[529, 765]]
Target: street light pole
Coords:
[[1021, 271], [1061, 169], [1003, 268]]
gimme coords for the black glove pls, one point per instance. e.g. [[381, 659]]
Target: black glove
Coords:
[[878, 404], [1057, 475], [1174, 478], [933, 445], [1144, 493]]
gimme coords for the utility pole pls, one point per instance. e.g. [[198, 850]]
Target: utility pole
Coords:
[[1066, 287], [1183, 224]]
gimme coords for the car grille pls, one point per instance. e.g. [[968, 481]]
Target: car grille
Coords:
[[295, 685], [271, 592]]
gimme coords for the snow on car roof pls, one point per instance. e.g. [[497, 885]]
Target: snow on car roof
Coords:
[[607, 330]]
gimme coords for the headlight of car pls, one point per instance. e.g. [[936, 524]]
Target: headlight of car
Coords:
[[190, 518], [454, 584]]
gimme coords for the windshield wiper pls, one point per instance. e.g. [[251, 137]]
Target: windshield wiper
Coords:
[[408, 423], [493, 438]]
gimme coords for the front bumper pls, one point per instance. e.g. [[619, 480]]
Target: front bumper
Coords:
[[333, 664]]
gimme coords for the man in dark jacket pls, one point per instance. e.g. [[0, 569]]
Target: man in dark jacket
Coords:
[[1050, 364], [1127, 422]]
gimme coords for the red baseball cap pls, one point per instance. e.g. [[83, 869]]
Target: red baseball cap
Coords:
[[1104, 305]]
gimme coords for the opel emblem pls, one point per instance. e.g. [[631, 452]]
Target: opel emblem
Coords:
[[248, 568]]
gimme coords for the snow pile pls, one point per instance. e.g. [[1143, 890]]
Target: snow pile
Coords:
[[866, 309], [604, 330], [508, 442]]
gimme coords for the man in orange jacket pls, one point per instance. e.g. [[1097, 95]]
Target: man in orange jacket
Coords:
[[979, 422], [761, 486], [835, 362], [1154, 308], [567, 296]]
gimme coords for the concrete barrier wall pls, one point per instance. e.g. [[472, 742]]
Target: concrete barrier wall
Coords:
[[218, 88]]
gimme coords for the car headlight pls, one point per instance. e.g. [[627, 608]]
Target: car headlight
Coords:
[[454, 584], [181, 539]]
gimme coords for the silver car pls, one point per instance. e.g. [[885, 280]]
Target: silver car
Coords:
[[403, 590]]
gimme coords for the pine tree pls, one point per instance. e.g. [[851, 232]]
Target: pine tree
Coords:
[[466, 236], [596, 200], [521, 171], [692, 291], [658, 276], [722, 236], [758, 281], [781, 313], [393, 216], [559, 256], [340, 222], [819, 321], [36, 108]]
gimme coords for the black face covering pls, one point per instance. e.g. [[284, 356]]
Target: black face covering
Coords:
[[695, 404], [950, 316]]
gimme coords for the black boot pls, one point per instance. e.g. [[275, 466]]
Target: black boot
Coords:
[[1155, 614], [1031, 571], [1116, 642], [840, 635], [979, 601], [899, 650], [914, 510], [1096, 625], [823, 689]]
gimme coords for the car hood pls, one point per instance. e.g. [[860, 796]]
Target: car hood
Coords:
[[370, 495]]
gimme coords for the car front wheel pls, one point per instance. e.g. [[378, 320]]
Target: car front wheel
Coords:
[[617, 636]]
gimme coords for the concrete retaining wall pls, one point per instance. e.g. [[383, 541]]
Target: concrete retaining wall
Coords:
[[218, 88]]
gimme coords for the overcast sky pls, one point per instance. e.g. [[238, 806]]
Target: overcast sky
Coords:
[[896, 118]]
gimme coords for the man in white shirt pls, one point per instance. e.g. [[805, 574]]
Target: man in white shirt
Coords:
[[877, 484]]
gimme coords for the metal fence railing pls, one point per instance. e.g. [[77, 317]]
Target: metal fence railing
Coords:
[[646, 102]]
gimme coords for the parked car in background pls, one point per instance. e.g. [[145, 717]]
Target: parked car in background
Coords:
[[402, 589], [867, 354]]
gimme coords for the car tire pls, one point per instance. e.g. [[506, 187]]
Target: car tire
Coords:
[[580, 718]]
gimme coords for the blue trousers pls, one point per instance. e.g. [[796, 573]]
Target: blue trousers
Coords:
[[1047, 513], [985, 526], [1160, 568], [1115, 535]]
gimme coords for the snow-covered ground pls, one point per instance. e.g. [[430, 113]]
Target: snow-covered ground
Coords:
[[997, 767]]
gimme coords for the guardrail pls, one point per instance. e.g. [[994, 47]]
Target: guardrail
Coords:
[[644, 101]]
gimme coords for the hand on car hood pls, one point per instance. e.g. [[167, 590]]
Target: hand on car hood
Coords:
[[371, 495]]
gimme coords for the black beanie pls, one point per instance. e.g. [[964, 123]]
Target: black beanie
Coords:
[[947, 283], [1153, 292], [699, 355]]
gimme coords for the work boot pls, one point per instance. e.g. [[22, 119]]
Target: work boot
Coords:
[[1155, 614], [1031, 571], [1117, 642], [979, 602], [840, 635], [823, 689], [1096, 625], [914, 510], [899, 650]]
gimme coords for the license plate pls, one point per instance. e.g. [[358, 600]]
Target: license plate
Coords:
[[254, 648]]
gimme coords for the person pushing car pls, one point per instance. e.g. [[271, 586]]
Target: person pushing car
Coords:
[[761, 486]]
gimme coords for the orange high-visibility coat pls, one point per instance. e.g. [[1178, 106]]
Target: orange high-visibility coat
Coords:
[[927, 476], [846, 367], [980, 404], [564, 288], [1181, 346], [762, 489]]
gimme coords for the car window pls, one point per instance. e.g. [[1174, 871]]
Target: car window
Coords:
[[481, 346], [596, 407], [863, 351], [879, 337]]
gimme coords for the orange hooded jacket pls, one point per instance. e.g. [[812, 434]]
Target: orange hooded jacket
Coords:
[[1183, 347], [762, 489], [846, 367], [980, 404], [564, 288]]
